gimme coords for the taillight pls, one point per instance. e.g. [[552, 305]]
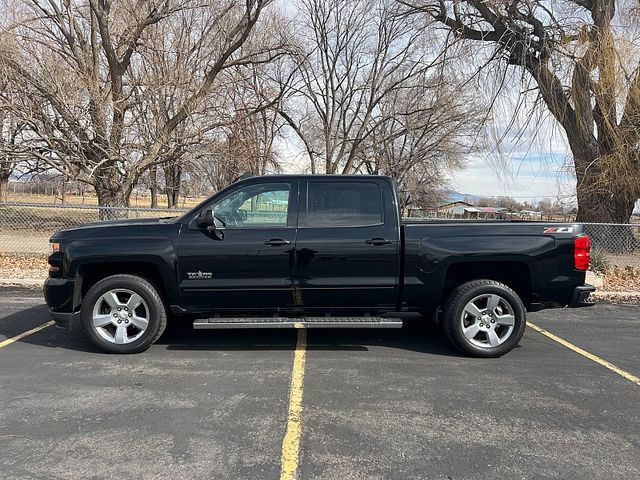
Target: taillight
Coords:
[[582, 253]]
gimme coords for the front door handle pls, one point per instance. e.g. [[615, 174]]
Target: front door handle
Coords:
[[378, 241], [277, 242]]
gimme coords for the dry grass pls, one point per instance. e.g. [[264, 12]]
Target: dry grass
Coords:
[[622, 279], [142, 201], [23, 266]]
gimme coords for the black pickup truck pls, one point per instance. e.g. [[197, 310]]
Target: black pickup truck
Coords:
[[312, 251]]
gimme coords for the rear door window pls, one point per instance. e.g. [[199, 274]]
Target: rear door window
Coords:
[[343, 204]]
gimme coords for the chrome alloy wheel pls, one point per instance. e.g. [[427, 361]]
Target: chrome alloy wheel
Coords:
[[120, 316], [487, 320]]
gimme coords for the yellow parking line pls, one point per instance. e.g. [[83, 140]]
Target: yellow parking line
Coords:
[[9, 341], [584, 353], [291, 442]]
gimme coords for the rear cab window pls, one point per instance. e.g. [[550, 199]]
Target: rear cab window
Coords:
[[344, 204]]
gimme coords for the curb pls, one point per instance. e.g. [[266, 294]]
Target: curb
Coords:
[[21, 282], [622, 297], [623, 294]]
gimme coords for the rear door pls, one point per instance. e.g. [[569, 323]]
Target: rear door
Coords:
[[348, 243]]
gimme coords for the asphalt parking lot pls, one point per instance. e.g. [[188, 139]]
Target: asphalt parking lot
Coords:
[[376, 404]]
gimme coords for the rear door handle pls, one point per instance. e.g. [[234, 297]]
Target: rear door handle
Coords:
[[378, 241], [277, 242]]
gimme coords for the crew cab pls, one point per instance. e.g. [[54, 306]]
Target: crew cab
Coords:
[[312, 251]]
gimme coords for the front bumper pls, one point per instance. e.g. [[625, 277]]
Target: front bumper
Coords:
[[69, 321], [580, 296], [59, 294]]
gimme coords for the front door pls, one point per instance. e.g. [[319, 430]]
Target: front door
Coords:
[[247, 264]]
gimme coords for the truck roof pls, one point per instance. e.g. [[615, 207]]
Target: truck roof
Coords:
[[314, 175]]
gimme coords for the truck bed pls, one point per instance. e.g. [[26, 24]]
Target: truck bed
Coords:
[[538, 254]]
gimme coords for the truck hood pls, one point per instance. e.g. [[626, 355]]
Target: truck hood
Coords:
[[105, 225]]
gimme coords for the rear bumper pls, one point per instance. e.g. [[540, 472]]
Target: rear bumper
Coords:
[[580, 296]]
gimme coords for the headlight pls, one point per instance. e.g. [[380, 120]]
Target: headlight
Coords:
[[55, 260]]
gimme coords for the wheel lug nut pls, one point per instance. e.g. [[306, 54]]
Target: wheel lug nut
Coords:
[[119, 321], [119, 309], [130, 315], [115, 315], [493, 320]]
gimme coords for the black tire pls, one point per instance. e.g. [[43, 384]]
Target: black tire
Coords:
[[453, 319], [156, 315]]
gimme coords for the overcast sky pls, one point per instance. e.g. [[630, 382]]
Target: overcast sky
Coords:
[[526, 176]]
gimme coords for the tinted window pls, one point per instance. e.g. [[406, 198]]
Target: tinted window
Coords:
[[255, 205], [334, 204]]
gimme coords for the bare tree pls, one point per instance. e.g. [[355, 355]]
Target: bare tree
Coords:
[[10, 133], [373, 94], [244, 146], [422, 133], [585, 70], [81, 62], [240, 102]]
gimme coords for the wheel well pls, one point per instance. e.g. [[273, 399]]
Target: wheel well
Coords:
[[515, 275], [92, 273]]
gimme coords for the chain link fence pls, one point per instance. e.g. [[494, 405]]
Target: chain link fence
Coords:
[[615, 244], [25, 228]]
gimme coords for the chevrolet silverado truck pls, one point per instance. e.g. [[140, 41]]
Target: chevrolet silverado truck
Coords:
[[312, 251]]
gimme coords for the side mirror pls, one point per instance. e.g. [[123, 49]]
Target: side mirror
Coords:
[[204, 220], [207, 221]]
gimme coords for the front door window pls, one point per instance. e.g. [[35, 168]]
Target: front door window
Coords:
[[260, 206]]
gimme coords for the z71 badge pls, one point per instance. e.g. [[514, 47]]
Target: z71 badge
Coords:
[[199, 275], [558, 230]]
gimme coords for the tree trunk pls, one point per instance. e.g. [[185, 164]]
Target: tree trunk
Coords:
[[173, 178], [602, 205], [173, 197], [113, 201], [63, 191], [599, 200], [4, 188], [610, 207], [153, 186]]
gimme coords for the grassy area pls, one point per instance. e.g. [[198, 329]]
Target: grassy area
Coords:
[[142, 201], [46, 220], [23, 266], [622, 279], [42, 220]]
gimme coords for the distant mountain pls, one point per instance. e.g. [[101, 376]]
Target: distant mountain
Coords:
[[454, 196]]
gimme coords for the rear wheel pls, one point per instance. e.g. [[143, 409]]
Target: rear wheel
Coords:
[[484, 318], [123, 314]]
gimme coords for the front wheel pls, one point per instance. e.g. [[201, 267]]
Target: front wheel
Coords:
[[123, 314], [484, 318]]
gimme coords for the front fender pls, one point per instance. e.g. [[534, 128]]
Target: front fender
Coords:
[[159, 253]]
